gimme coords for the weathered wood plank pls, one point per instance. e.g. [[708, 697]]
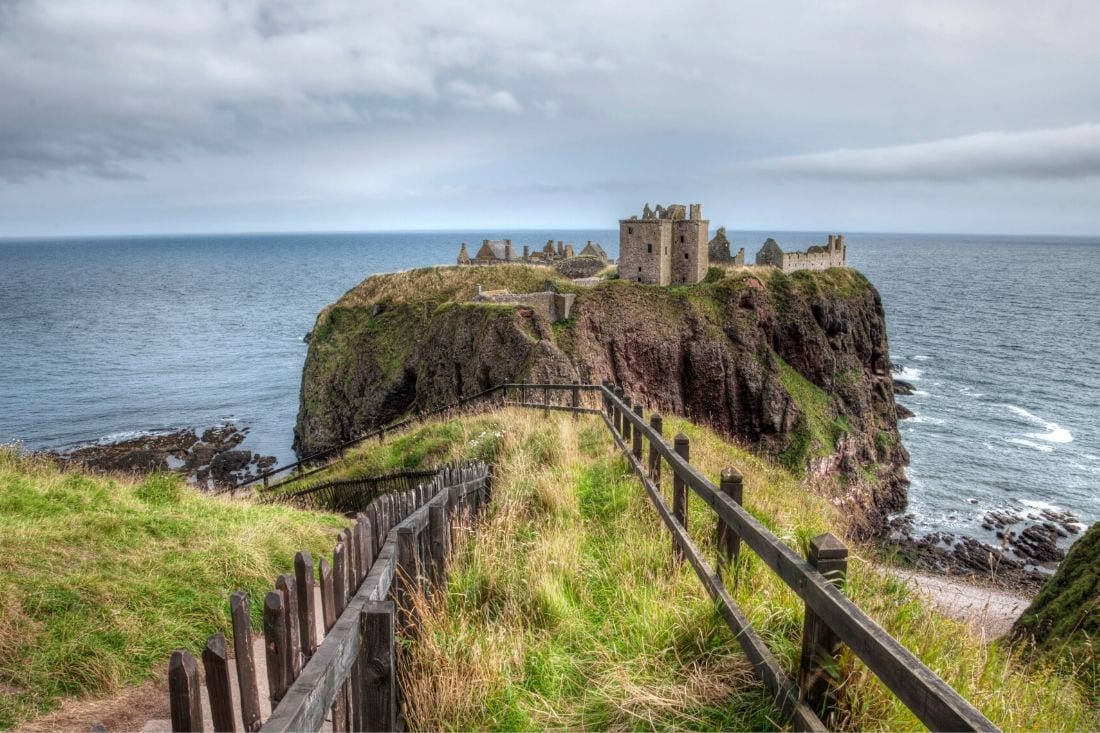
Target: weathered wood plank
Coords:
[[820, 646], [729, 543], [215, 662], [275, 645], [286, 585], [246, 662], [682, 446], [307, 603], [636, 436], [378, 660], [184, 697]]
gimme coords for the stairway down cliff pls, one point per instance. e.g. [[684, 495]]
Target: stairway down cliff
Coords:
[[796, 366]]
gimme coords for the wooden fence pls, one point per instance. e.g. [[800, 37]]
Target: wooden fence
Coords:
[[347, 496], [397, 548], [314, 462], [830, 620]]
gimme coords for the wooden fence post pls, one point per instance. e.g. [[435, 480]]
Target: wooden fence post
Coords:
[[729, 542], [275, 645], [285, 584], [657, 423], [184, 696], [619, 418], [378, 662], [246, 662], [820, 646], [405, 580], [679, 492], [576, 401], [546, 401], [307, 605], [215, 661], [637, 434], [438, 534]]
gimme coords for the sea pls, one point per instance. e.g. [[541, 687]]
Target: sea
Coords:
[[107, 338]]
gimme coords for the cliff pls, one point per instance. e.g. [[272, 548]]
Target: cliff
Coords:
[[1063, 622], [796, 366]]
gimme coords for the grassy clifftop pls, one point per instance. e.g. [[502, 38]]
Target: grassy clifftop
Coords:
[[101, 578]]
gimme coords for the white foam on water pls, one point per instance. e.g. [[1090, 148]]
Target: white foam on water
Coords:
[[919, 391], [1040, 505], [1055, 433], [1090, 457], [918, 418], [910, 373], [921, 357], [1030, 444]]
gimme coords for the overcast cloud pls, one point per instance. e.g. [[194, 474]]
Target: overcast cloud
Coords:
[[210, 116]]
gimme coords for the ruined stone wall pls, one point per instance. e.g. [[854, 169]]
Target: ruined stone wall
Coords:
[[644, 246], [690, 256], [812, 260], [552, 306]]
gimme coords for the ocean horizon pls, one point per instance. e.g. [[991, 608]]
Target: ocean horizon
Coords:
[[115, 336]]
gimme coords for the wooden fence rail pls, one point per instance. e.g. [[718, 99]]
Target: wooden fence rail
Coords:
[[397, 547], [346, 496], [831, 619]]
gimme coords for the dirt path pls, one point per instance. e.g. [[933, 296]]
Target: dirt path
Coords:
[[989, 612]]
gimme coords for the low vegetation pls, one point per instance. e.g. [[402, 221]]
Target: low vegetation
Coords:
[[101, 578], [564, 609]]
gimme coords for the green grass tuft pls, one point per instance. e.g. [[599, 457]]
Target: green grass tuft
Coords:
[[102, 578]]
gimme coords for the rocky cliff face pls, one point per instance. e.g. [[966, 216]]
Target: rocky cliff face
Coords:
[[797, 366]]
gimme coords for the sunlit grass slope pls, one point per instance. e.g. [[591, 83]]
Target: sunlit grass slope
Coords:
[[564, 610], [101, 578]]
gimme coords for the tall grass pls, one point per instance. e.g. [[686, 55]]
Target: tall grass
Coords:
[[101, 578], [564, 609]]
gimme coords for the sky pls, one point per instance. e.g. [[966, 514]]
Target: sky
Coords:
[[132, 117]]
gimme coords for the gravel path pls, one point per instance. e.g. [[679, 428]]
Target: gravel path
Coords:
[[989, 612]]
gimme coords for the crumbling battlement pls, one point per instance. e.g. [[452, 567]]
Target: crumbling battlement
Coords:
[[501, 251], [817, 257]]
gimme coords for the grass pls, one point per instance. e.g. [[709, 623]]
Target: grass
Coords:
[[564, 610], [101, 578], [817, 431]]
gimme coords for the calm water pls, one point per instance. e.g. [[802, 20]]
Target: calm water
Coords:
[[1000, 335]]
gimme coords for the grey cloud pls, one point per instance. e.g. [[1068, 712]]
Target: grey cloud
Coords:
[[1059, 153]]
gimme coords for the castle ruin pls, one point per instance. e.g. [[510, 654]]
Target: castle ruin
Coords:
[[817, 257], [666, 246], [501, 251]]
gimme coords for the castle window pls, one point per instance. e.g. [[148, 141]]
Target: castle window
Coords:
[[649, 248], [681, 238], [630, 230], [686, 256], [639, 269]]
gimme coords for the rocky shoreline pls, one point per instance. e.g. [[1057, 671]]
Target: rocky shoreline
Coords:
[[211, 459], [1029, 549]]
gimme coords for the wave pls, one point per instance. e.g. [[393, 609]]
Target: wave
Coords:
[[910, 374], [921, 357], [919, 392], [1055, 433], [918, 418], [1030, 444]]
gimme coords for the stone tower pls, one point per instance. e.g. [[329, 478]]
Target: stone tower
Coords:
[[664, 246]]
